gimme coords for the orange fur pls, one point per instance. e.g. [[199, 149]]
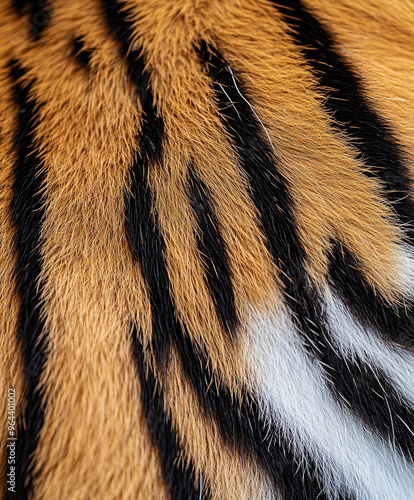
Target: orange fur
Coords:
[[94, 442], [380, 47]]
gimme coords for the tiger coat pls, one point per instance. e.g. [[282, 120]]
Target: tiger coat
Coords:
[[206, 249]]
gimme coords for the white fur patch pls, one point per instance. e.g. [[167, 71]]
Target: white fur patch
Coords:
[[406, 259], [293, 394], [352, 339]]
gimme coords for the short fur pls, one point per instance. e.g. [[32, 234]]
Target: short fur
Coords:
[[206, 258]]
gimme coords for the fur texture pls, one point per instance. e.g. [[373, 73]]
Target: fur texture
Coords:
[[206, 258]]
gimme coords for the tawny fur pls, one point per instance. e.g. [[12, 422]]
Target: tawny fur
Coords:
[[94, 442]]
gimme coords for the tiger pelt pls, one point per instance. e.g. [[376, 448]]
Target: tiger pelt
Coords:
[[206, 249]]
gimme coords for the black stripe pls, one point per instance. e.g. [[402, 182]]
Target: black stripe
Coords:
[[27, 215], [396, 324], [373, 139], [271, 198], [121, 27], [213, 253], [80, 53], [353, 114], [147, 247], [268, 190], [39, 14], [180, 480], [245, 430], [146, 243]]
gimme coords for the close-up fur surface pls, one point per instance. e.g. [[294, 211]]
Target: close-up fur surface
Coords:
[[206, 249]]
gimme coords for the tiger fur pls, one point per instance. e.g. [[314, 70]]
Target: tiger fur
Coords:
[[206, 259]]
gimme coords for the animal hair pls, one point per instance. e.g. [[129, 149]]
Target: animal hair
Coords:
[[206, 249]]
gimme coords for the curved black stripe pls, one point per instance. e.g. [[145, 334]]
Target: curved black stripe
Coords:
[[27, 215], [345, 99], [244, 428], [268, 189], [347, 279], [213, 253], [271, 198], [238, 427], [180, 480], [147, 247], [39, 14], [210, 242], [145, 240], [373, 139]]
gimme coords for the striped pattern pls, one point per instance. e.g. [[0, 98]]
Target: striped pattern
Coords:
[[370, 134], [212, 251], [210, 223], [27, 215]]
